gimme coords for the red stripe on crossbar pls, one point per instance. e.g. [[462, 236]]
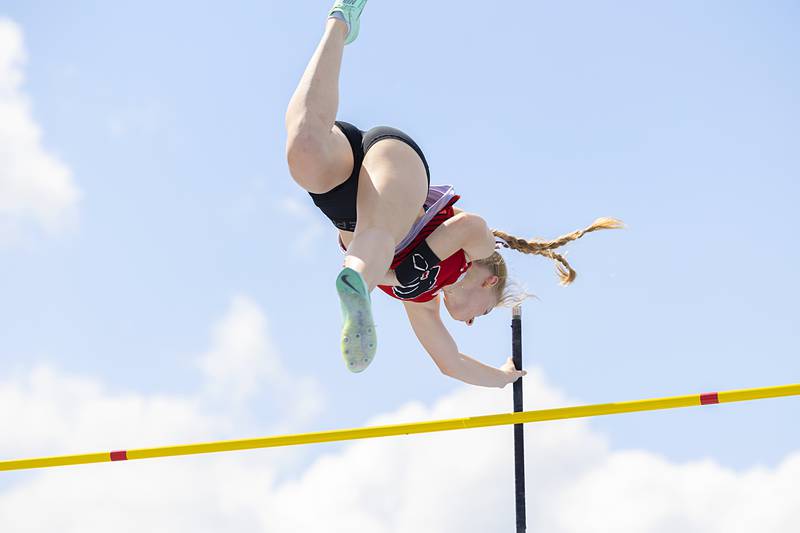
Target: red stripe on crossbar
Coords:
[[709, 397], [119, 455]]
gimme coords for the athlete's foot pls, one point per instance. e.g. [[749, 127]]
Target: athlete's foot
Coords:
[[349, 11], [359, 341]]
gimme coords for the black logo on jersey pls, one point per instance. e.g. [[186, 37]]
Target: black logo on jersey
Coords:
[[422, 284]]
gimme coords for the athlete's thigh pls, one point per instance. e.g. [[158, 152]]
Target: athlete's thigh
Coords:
[[392, 187]]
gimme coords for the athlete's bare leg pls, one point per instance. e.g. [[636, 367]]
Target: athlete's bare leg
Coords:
[[319, 155], [391, 185], [391, 190]]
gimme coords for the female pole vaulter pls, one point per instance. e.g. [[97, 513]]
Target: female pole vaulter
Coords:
[[398, 232]]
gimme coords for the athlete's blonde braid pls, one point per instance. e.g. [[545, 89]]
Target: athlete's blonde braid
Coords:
[[545, 248]]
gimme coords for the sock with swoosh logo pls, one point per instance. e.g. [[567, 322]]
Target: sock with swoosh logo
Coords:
[[359, 341]]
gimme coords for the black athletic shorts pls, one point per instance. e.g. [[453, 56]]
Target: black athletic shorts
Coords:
[[339, 203]]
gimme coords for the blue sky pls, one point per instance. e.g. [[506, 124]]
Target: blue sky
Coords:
[[680, 119]]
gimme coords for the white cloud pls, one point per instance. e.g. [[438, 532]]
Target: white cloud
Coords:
[[459, 481], [36, 188], [50, 410], [241, 356], [244, 361]]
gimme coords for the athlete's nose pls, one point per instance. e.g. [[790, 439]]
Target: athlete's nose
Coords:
[[470, 321]]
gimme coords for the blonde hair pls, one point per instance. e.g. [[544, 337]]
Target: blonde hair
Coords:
[[509, 293]]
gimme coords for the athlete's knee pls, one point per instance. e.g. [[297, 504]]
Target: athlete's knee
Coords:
[[306, 154]]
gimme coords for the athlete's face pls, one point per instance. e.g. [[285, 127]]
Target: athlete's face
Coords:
[[473, 296]]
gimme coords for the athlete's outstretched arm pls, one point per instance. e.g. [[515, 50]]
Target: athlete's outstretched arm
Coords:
[[437, 341]]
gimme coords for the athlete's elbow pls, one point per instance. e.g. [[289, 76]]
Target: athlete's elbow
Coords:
[[447, 366], [480, 240], [446, 370], [471, 224]]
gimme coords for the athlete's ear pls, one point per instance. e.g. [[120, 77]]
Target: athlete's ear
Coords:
[[490, 281]]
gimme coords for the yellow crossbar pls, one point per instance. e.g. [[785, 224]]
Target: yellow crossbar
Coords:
[[407, 429]]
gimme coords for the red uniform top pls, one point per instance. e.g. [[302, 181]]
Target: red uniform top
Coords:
[[434, 278]]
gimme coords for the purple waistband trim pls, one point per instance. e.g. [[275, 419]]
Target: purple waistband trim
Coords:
[[438, 196]]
